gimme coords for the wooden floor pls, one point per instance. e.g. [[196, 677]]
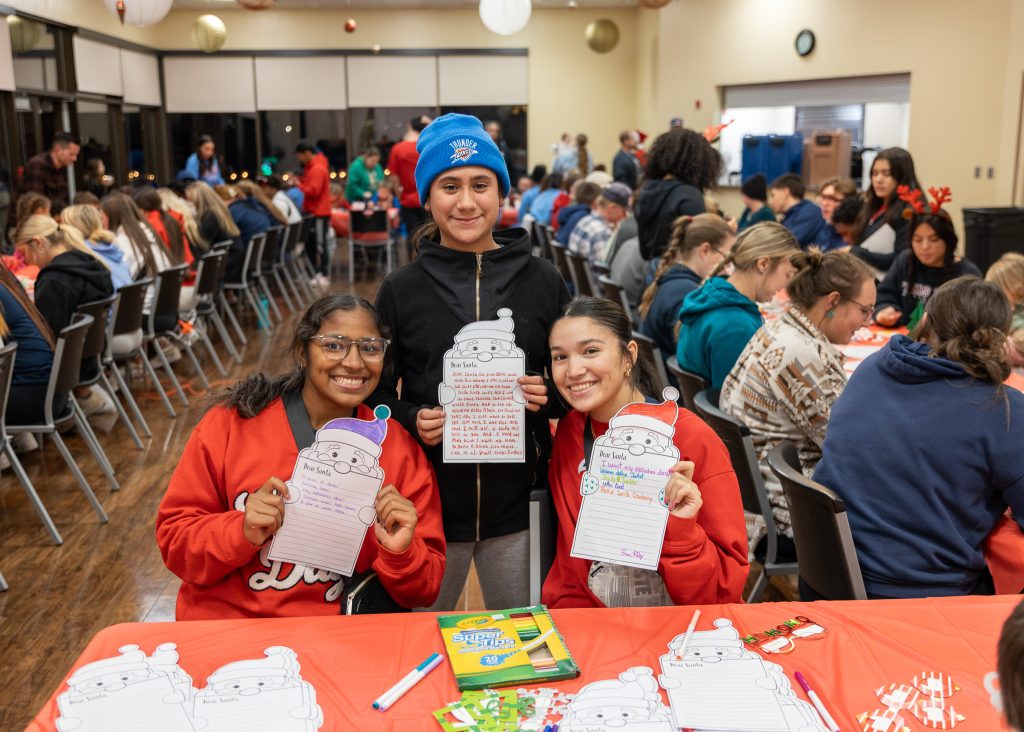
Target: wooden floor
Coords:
[[103, 574]]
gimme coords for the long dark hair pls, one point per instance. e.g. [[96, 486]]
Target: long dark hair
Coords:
[[148, 200], [254, 393], [943, 226], [901, 167], [610, 315], [686, 156], [206, 166], [123, 213]]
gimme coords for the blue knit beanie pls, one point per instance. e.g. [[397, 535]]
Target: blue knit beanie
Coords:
[[452, 141]]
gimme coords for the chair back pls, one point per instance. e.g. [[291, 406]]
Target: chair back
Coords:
[[821, 530], [96, 338], [67, 360], [543, 538], [690, 384], [363, 221], [254, 256], [742, 454], [7, 354], [561, 262], [579, 266], [271, 247], [613, 291], [542, 239], [650, 356], [168, 292], [128, 315], [209, 273], [289, 239], [602, 269], [304, 228], [222, 246]]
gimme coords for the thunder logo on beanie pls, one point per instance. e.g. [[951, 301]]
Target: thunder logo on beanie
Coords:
[[453, 141]]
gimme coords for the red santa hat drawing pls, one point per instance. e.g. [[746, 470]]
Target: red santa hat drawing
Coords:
[[659, 418], [499, 330]]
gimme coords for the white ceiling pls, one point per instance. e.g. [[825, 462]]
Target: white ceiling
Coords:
[[388, 4]]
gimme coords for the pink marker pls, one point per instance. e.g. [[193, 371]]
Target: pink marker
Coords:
[[825, 716]]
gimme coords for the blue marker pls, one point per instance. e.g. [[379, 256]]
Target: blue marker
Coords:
[[389, 697]]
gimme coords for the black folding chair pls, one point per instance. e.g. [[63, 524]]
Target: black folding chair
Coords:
[[753, 493], [273, 251], [613, 291], [263, 270], [821, 530], [7, 354], [67, 360], [293, 253], [124, 345], [208, 277], [245, 288], [650, 355], [579, 267], [690, 384], [561, 262], [543, 539], [95, 348], [369, 231], [163, 321]]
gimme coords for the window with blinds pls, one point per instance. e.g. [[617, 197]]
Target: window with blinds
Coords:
[[849, 117]]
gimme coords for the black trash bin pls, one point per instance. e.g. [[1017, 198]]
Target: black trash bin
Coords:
[[991, 232]]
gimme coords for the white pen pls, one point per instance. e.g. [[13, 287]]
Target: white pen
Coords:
[[410, 680], [681, 651]]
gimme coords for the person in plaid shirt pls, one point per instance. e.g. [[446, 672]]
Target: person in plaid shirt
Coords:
[[47, 173], [592, 233]]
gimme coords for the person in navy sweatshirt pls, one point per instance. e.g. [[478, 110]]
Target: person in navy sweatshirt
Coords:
[[800, 216], [924, 447]]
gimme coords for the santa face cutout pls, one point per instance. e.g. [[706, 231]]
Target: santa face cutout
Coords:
[[345, 458], [639, 440], [349, 446], [484, 348], [630, 702]]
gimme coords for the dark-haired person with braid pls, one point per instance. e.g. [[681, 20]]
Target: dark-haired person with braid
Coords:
[[704, 558], [924, 447], [228, 495], [786, 380], [681, 167]]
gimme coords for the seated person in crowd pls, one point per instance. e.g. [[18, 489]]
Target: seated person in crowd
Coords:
[[844, 218], [1008, 273], [704, 558], [537, 176], [25, 325], [833, 191], [544, 201], [916, 272], [789, 375], [799, 215], [698, 244], [143, 252], [364, 176], [215, 222], [754, 192], [1010, 666], [719, 318], [89, 222], [168, 228], [591, 234], [251, 219], [924, 447], [583, 195], [273, 187], [228, 495], [28, 204], [565, 196]]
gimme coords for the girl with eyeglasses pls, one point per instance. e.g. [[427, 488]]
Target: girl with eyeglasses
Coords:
[[227, 496], [699, 243], [790, 373]]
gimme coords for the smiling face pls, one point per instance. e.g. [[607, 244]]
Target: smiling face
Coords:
[[929, 247], [589, 367], [882, 181], [849, 316], [336, 388], [464, 203]]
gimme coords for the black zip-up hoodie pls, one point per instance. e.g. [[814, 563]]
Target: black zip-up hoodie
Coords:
[[70, 279], [658, 205], [427, 302]]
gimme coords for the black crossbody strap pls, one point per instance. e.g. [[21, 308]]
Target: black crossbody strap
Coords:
[[588, 443], [298, 420]]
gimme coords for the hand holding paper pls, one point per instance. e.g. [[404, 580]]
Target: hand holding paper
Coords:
[[264, 511], [682, 496], [430, 425], [535, 392], [396, 520]]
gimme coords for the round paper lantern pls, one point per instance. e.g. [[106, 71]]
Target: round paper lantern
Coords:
[[602, 35], [24, 33], [139, 13], [350, 25], [209, 33], [255, 4], [652, 3], [505, 17]]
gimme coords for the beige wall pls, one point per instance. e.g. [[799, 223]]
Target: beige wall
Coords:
[[965, 60]]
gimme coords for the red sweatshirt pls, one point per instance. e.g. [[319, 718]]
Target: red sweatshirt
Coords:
[[704, 559], [315, 185], [199, 524]]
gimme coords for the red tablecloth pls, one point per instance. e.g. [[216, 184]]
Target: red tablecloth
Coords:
[[352, 660]]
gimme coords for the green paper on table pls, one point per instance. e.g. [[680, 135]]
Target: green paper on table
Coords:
[[485, 710]]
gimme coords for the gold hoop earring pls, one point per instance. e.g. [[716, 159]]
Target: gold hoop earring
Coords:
[[629, 372]]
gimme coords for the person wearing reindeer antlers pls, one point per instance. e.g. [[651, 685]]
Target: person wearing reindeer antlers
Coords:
[[929, 262]]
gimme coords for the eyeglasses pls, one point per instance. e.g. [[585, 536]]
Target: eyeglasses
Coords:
[[868, 311], [831, 199], [336, 347]]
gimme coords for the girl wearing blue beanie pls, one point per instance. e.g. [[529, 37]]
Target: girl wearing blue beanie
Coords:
[[464, 272]]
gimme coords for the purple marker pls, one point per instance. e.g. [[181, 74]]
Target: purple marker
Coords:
[[825, 716]]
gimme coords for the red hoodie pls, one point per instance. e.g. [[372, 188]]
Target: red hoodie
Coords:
[[315, 185], [199, 523], [704, 559]]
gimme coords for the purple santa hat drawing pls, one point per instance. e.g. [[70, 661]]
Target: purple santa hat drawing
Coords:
[[364, 434]]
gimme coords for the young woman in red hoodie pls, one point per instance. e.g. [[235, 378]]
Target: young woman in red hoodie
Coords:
[[704, 557], [228, 497]]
